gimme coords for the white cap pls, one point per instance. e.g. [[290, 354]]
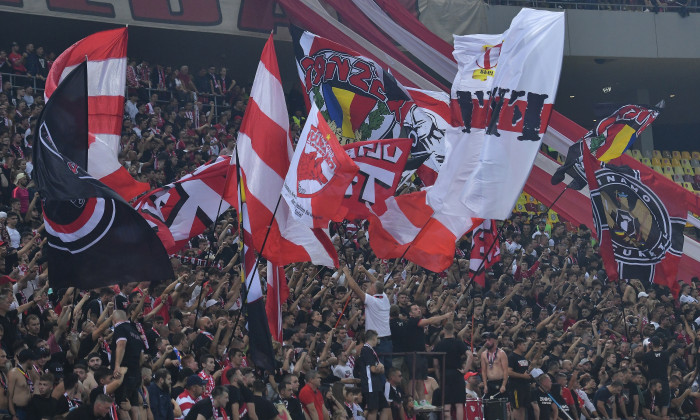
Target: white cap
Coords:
[[3, 215], [212, 302], [642, 294], [536, 372]]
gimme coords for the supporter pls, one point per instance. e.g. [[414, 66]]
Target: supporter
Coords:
[[159, 396]]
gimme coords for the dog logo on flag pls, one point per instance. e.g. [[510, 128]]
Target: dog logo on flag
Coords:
[[639, 223], [317, 163]]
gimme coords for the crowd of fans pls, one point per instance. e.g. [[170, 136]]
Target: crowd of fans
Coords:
[[370, 339]]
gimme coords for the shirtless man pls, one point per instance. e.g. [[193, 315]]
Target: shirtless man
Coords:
[[4, 400], [20, 385], [494, 367], [94, 363]]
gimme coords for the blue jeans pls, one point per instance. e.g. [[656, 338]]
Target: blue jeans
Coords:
[[383, 349]]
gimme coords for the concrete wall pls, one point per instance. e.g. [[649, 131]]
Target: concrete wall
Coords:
[[628, 34]]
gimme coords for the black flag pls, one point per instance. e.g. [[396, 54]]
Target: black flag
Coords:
[[95, 238]]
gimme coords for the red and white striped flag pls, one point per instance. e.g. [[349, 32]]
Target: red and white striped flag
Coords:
[[277, 294], [265, 151], [106, 54]]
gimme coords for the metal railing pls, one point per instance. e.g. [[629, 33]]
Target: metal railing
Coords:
[[692, 6], [217, 103]]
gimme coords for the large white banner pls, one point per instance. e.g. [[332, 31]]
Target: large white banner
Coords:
[[505, 88]]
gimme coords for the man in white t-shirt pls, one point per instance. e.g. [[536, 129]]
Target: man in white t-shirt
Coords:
[[12, 220], [377, 307]]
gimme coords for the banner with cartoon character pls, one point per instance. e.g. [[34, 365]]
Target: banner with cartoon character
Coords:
[[358, 99]]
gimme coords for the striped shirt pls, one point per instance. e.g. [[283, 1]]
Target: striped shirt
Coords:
[[185, 402]]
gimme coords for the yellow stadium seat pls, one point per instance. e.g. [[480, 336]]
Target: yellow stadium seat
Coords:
[[646, 161], [688, 171], [656, 161], [658, 169], [675, 154], [656, 154], [668, 170], [676, 162], [697, 170], [636, 153], [669, 176], [678, 179], [678, 170], [695, 155], [666, 161], [688, 186], [685, 163], [665, 154], [560, 159], [685, 155]]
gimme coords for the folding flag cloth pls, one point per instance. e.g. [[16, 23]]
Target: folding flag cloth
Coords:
[[426, 121], [265, 151], [486, 251], [277, 294], [358, 99], [95, 238], [184, 209], [639, 225], [319, 174], [106, 54], [381, 163], [505, 94], [610, 138]]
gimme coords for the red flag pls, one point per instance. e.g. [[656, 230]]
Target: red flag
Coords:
[[381, 163], [486, 249], [319, 174], [640, 225], [265, 150], [277, 294], [106, 54], [184, 209]]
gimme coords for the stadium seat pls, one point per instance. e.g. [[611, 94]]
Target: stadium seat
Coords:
[[560, 158], [675, 162], [669, 176], [695, 155], [688, 171], [694, 163], [666, 161], [656, 154], [677, 170], [696, 179], [685, 163], [656, 161], [647, 161], [678, 179], [685, 155], [668, 170], [697, 170], [658, 169], [675, 154], [688, 186], [647, 154], [688, 178], [636, 153], [666, 154]]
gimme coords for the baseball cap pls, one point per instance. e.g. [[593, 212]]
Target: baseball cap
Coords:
[[3, 215], [584, 361], [489, 334], [469, 375], [536, 373], [193, 380], [212, 302], [642, 294]]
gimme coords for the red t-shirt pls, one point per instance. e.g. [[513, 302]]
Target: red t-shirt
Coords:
[[308, 396]]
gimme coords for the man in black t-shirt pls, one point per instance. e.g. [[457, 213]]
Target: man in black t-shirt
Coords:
[[650, 406], [290, 402], [264, 408], [393, 394], [605, 400], [208, 408], [42, 405], [372, 375], [518, 387], [542, 404], [99, 410], [455, 354], [656, 361], [126, 348]]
